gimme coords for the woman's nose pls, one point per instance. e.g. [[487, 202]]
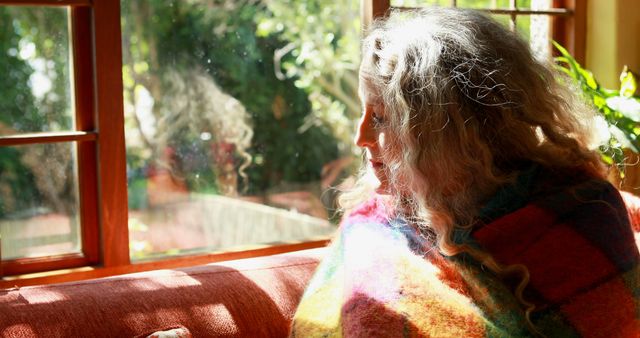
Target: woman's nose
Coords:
[[365, 133]]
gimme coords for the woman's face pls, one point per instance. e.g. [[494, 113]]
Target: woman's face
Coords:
[[370, 133]]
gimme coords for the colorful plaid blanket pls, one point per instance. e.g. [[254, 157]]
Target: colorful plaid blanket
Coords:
[[382, 279]]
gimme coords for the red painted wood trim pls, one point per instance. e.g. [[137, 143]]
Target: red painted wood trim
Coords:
[[49, 137], [82, 42], [571, 31], [48, 263], [516, 11], [112, 195], [75, 3], [171, 263], [372, 9]]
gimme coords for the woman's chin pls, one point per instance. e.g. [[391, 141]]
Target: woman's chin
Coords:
[[383, 189], [377, 182]]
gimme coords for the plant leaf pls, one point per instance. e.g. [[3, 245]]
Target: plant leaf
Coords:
[[562, 50], [628, 84], [606, 159], [590, 81]]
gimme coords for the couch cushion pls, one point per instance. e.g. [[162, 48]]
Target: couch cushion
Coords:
[[245, 298]]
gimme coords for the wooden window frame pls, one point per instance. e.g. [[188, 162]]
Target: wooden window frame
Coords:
[[85, 138], [568, 24], [102, 183]]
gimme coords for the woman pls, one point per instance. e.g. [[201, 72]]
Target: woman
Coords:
[[482, 209]]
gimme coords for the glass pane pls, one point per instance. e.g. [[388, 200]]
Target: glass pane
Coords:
[[533, 28], [38, 201], [35, 67], [239, 119]]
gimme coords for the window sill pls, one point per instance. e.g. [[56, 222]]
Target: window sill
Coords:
[[88, 272]]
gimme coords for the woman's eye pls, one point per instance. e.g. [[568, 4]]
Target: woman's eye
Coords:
[[377, 119]]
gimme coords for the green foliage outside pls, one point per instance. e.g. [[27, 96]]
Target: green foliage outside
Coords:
[[219, 39], [15, 99], [620, 108], [322, 55], [37, 32]]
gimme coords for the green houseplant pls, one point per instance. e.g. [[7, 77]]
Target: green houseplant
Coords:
[[620, 108]]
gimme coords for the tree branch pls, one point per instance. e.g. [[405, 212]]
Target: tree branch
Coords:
[[352, 105]]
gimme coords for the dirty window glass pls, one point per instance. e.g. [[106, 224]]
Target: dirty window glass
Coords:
[[35, 68], [38, 183], [238, 121], [38, 201]]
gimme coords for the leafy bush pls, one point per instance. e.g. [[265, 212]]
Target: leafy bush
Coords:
[[620, 108]]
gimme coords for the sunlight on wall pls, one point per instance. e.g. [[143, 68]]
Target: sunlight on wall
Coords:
[[612, 39], [628, 19], [601, 41]]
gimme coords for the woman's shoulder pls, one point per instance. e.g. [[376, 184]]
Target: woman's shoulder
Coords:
[[560, 194], [579, 250], [376, 209], [593, 210], [588, 213]]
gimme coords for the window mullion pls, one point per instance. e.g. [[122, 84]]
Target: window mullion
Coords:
[[371, 9], [112, 194], [83, 92], [513, 5], [75, 3], [46, 137]]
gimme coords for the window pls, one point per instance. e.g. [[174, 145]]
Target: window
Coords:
[[537, 20], [47, 142], [223, 149], [165, 143]]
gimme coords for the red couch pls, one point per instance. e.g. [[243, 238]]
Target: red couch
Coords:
[[245, 298]]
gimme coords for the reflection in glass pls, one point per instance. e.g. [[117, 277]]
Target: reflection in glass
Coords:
[[38, 201], [232, 140], [35, 68]]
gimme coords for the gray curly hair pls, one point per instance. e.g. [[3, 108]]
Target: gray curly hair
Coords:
[[467, 108]]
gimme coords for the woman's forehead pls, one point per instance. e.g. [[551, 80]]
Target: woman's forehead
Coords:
[[368, 96], [367, 87]]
